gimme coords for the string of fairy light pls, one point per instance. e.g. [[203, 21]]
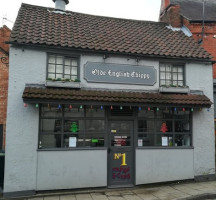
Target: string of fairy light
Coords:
[[140, 108]]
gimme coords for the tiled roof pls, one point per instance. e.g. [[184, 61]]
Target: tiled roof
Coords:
[[39, 93], [193, 9], [37, 25]]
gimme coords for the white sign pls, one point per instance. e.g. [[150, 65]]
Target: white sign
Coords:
[[164, 141], [72, 141], [140, 142]]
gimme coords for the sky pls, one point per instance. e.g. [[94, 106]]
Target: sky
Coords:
[[129, 9]]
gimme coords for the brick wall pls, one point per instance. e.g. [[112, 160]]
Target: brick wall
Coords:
[[4, 36], [209, 39]]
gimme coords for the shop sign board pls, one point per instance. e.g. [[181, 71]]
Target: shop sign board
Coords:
[[119, 73]]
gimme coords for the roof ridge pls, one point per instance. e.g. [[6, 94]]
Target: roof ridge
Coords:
[[100, 16]]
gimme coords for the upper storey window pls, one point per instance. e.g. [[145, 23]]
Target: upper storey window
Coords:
[[62, 68], [172, 75]]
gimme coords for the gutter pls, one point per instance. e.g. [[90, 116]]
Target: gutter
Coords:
[[134, 55]]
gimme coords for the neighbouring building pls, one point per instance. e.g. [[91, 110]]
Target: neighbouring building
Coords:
[[4, 53], [105, 102], [201, 21]]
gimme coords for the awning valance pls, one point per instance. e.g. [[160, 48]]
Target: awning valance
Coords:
[[62, 95]]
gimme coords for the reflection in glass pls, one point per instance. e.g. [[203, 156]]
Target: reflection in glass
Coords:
[[145, 126], [50, 125], [95, 125], [49, 141]]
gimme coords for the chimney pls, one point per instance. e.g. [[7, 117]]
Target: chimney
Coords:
[[60, 4], [164, 5], [171, 14]]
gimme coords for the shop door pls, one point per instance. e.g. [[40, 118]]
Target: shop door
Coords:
[[120, 154]]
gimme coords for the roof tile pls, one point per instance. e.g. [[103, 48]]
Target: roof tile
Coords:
[[41, 93], [41, 26]]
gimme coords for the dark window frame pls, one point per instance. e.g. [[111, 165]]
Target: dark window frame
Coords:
[[173, 133], [65, 56], [173, 65], [62, 133]]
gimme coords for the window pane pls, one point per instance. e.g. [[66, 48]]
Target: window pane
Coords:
[[67, 76], [59, 60], [180, 76], [175, 77], [145, 113], [146, 140], [182, 126], [94, 111], [162, 68], [182, 114], [175, 83], [183, 140], [67, 70], [74, 63], [162, 82], [74, 71], [75, 111], [59, 76], [168, 76], [50, 110], [51, 68], [120, 127], [73, 140], [67, 61], [94, 140], [168, 68], [49, 141], [164, 126], [180, 83], [74, 126], [175, 69], [95, 125], [51, 59], [168, 82], [180, 69], [50, 125], [51, 75], [145, 126], [164, 113], [162, 75], [59, 69]]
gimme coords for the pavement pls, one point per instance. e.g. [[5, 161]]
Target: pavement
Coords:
[[172, 191]]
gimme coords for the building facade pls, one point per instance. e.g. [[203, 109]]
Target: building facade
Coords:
[[105, 102]]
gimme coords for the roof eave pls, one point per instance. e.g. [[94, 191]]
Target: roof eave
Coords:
[[34, 46]]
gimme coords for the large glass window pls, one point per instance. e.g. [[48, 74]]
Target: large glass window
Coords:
[[62, 68], [65, 126], [164, 128], [171, 75]]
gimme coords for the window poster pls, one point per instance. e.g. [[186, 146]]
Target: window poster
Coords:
[[72, 141], [140, 142], [164, 141]]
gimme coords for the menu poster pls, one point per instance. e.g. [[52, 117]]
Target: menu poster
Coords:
[[164, 141], [140, 142], [72, 141]]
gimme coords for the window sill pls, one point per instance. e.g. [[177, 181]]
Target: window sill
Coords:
[[174, 90], [63, 84]]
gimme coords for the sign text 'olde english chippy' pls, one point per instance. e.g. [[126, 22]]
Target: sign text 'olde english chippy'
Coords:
[[118, 73]]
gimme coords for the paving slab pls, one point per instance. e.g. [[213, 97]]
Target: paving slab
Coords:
[[67, 197]]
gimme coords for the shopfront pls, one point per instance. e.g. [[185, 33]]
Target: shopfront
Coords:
[[119, 130]]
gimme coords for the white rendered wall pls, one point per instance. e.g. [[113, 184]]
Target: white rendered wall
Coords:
[[200, 77], [160, 165], [29, 66], [71, 169]]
